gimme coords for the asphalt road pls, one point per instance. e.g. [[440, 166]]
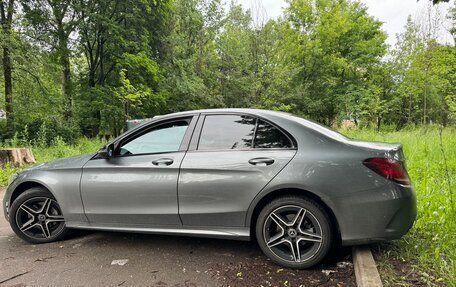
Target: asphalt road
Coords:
[[86, 259]]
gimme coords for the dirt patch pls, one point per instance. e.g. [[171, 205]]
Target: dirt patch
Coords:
[[395, 270], [87, 258], [258, 271]]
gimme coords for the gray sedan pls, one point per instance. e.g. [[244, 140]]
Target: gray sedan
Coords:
[[291, 184]]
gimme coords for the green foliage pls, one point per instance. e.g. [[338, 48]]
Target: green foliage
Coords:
[[43, 132], [323, 59], [190, 59], [7, 171], [333, 48], [431, 241], [119, 77], [58, 149], [425, 92]]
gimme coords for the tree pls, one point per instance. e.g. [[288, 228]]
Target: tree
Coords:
[[191, 60], [114, 34], [424, 78], [235, 46], [52, 22], [6, 16], [87, 66], [333, 46]]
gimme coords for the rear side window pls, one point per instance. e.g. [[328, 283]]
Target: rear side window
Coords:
[[222, 132], [268, 136]]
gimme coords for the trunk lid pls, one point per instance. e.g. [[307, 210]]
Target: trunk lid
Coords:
[[387, 150]]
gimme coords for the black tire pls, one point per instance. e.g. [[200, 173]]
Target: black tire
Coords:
[[47, 220], [307, 240]]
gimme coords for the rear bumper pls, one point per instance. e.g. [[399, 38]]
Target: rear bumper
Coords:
[[381, 214]]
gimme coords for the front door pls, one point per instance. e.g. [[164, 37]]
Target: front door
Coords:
[[137, 186]]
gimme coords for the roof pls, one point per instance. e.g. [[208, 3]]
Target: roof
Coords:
[[283, 115], [231, 110]]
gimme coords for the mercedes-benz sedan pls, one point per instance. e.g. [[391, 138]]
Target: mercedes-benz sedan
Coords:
[[293, 185]]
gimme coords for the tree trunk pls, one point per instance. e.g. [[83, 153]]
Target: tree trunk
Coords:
[[6, 21], [16, 156], [67, 86], [7, 72]]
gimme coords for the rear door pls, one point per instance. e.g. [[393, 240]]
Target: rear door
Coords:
[[230, 159]]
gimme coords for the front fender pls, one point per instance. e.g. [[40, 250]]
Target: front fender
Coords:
[[63, 184]]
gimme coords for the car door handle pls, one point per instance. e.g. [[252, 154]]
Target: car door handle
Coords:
[[163, 161], [261, 161]]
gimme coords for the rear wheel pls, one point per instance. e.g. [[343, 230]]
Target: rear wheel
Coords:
[[35, 216], [294, 232]]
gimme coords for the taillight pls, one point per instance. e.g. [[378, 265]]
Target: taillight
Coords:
[[388, 168]]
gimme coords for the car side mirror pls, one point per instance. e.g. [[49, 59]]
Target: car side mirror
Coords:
[[106, 152]]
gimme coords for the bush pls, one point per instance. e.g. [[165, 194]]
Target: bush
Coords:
[[41, 133]]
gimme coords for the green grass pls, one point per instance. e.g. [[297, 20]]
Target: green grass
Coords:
[[431, 244]]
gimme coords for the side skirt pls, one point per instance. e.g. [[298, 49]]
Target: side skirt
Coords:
[[236, 233]]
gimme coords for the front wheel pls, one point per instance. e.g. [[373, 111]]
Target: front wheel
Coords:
[[294, 232], [35, 216]]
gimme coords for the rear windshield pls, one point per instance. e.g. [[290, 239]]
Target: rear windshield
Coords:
[[320, 128]]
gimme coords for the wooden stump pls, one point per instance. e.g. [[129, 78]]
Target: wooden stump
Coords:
[[16, 156]]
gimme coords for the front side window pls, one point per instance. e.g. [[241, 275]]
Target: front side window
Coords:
[[268, 136], [227, 132], [164, 138]]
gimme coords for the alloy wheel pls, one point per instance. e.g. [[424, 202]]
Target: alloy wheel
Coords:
[[293, 233], [40, 218]]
